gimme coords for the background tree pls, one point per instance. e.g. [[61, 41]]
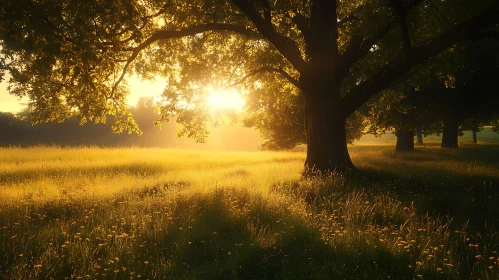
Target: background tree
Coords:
[[470, 96], [401, 110], [73, 56], [456, 89]]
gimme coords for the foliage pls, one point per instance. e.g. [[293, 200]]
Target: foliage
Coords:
[[460, 82], [73, 57], [397, 109]]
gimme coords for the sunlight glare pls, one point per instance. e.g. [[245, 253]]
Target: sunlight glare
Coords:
[[225, 99]]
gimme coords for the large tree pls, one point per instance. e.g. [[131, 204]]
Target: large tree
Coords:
[[74, 56]]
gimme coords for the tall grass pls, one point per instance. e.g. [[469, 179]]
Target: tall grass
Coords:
[[91, 213]]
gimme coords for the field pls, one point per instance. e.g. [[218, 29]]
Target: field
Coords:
[[91, 213], [487, 135]]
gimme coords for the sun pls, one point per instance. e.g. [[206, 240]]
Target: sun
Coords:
[[225, 100]]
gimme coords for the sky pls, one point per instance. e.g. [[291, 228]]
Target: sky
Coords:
[[8, 102], [138, 89]]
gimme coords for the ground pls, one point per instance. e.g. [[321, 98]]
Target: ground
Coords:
[[91, 213]]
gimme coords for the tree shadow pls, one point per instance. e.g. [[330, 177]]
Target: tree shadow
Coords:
[[233, 234], [463, 197], [487, 153]]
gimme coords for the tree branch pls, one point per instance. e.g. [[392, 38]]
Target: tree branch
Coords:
[[171, 34], [358, 48], [401, 11], [303, 23], [352, 16], [283, 44], [485, 35], [264, 69], [324, 24], [267, 13], [419, 53]]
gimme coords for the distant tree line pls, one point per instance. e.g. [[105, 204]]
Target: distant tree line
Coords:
[[17, 129]]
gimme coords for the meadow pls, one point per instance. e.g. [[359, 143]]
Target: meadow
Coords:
[[140, 213]]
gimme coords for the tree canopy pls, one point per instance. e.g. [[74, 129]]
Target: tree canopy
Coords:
[[73, 57]]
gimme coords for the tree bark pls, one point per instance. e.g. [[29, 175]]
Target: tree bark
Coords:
[[450, 134], [475, 140], [326, 138], [420, 138], [405, 141]]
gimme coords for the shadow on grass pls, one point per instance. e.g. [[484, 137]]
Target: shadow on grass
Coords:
[[235, 235], [486, 153], [225, 234], [425, 178]]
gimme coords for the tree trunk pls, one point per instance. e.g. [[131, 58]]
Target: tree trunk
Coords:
[[326, 138], [450, 134], [405, 140], [420, 138], [475, 140]]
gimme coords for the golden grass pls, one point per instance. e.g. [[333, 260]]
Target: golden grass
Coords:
[[158, 213]]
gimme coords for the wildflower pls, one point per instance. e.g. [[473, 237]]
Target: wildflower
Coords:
[[439, 269], [478, 257]]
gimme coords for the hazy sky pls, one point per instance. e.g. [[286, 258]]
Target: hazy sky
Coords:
[[138, 88], [8, 102]]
